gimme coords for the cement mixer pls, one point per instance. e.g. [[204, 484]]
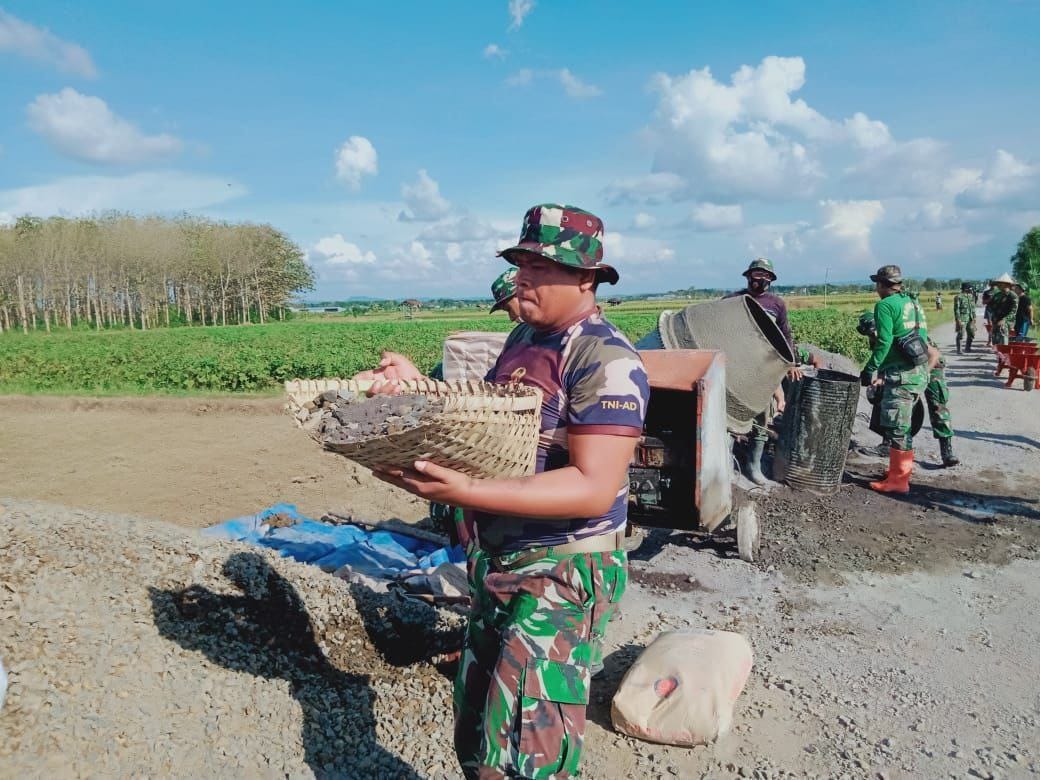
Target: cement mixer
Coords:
[[758, 355]]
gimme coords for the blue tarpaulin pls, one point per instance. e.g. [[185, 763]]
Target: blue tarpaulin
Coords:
[[377, 554]]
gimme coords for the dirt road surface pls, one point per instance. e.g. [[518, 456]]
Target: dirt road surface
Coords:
[[187, 461], [893, 637]]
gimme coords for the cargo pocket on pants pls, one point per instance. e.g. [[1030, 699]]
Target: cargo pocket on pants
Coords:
[[552, 718], [605, 601]]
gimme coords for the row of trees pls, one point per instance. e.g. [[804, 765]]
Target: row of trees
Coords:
[[144, 272], [1025, 263]]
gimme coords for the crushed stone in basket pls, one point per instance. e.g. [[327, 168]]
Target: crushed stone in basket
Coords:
[[343, 417]]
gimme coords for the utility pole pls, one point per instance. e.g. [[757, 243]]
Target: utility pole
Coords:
[[826, 278]]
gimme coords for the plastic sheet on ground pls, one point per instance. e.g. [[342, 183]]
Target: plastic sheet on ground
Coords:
[[379, 559]]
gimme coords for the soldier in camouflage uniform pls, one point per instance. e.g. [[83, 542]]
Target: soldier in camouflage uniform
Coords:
[[1004, 306], [760, 274], [936, 394], [547, 567], [964, 316], [900, 381], [504, 291]]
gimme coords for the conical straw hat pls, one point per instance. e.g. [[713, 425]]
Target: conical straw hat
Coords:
[[1004, 279]]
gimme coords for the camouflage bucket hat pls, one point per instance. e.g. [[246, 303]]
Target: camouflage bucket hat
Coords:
[[503, 288], [888, 273], [965, 287], [866, 324], [761, 264], [566, 235]]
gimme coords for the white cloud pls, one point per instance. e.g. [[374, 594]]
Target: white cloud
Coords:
[[1007, 181], [423, 200], [734, 139], [750, 138], [518, 11], [784, 239], [335, 259], [336, 250], [620, 248], [409, 260], [960, 179], [575, 87], [494, 52], [865, 132], [917, 167], [465, 228], [850, 222], [354, 159], [521, 78], [642, 221], [36, 43], [83, 127], [930, 215], [651, 188], [710, 216], [143, 192], [840, 238]]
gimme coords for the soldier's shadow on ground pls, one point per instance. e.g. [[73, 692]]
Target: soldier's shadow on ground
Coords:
[[267, 633], [722, 543], [992, 382], [969, 506], [403, 636], [605, 684], [1006, 439]]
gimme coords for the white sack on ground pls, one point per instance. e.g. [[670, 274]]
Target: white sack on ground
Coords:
[[682, 689]]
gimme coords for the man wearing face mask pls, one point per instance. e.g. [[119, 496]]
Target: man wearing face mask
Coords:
[[760, 276]]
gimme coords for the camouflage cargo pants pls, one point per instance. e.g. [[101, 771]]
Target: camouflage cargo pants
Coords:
[[899, 393], [936, 397], [966, 327], [1001, 333], [535, 632]]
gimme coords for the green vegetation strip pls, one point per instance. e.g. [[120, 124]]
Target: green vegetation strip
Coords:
[[257, 358]]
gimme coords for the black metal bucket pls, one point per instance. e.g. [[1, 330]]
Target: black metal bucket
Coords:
[[817, 427]]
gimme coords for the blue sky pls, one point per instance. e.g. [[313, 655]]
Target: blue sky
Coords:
[[400, 143]]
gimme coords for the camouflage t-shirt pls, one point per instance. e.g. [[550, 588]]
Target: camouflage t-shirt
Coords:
[[592, 382]]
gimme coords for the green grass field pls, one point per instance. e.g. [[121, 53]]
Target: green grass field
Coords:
[[257, 358]]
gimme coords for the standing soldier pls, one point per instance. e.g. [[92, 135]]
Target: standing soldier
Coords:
[[964, 316], [936, 394], [987, 310], [902, 373], [550, 566], [1004, 306]]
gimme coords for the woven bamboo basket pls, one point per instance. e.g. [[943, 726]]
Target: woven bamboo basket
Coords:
[[485, 430]]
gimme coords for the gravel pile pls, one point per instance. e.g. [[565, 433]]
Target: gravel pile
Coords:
[[138, 648], [339, 417]]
